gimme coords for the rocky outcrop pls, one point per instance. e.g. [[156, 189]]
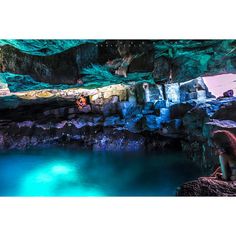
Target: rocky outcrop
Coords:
[[62, 61], [133, 111], [208, 186], [64, 125], [167, 60], [142, 50], [200, 122], [111, 120], [64, 67], [183, 60], [45, 47]]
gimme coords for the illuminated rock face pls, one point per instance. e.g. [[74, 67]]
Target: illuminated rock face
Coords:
[[45, 117], [54, 118]]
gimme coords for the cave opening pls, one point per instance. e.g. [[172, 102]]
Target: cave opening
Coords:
[[157, 98]]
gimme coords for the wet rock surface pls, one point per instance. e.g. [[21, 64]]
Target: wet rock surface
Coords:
[[112, 120], [148, 116], [208, 186]]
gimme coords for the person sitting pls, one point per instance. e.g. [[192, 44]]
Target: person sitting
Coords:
[[225, 144], [81, 102]]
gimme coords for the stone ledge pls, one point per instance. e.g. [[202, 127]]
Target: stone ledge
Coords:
[[207, 186]]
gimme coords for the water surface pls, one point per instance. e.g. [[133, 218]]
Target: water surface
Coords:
[[70, 172]]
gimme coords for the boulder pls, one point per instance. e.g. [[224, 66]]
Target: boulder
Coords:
[[193, 89], [85, 109], [178, 111], [109, 109], [128, 109], [151, 122], [152, 92], [188, 59], [160, 104], [148, 108], [207, 186], [112, 121], [172, 93], [61, 68], [165, 114], [134, 124]]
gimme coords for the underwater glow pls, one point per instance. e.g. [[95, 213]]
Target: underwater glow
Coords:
[[63, 172], [45, 180], [61, 169]]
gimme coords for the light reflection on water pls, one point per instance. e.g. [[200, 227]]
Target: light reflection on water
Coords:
[[65, 172]]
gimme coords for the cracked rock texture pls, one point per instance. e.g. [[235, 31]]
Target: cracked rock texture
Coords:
[[208, 186]]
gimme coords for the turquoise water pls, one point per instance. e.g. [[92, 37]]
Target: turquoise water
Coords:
[[70, 172]]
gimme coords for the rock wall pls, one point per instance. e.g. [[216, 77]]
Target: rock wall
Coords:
[[148, 116], [64, 67], [175, 60], [188, 59], [207, 186], [200, 122]]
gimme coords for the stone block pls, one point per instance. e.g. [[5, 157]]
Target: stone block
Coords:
[[165, 114], [97, 109], [152, 122], [201, 95], [191, 96], [152, 92], [109, 109], [178, 111], [72, 110], [160, 104], [132, 94], [148, 108], [191, 87], [128, 109], [86, 109], [111, 121], [172, 93], [134, 124]]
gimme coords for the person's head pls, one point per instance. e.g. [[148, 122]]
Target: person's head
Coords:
[[225, 142]]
